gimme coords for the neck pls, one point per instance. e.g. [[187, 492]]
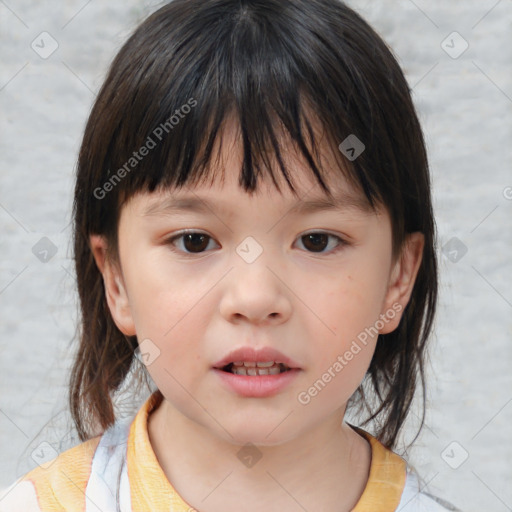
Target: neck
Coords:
[[326, 468]]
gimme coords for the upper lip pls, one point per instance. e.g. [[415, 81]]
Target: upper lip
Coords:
[[250, 354]]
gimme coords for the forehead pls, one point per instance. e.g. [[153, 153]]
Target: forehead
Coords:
[[223, 192], [210, 201], [230, 201]]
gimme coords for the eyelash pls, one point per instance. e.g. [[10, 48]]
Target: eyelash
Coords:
[[341, 242]]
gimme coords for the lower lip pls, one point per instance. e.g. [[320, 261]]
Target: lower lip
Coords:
[[257, 386]]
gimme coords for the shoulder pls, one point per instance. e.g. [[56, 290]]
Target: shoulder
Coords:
[[55, 485], [415, 499], [394, 485]]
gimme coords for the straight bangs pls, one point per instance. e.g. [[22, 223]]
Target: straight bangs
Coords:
[[193, 64]]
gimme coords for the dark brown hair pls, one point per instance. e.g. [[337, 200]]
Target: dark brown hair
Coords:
[[278, 66]]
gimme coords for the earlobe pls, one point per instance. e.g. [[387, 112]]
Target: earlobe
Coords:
[[403, 277], [115, 290]]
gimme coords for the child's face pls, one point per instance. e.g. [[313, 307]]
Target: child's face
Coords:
[[317, 302]]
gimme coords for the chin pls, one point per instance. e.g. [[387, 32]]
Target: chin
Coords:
[[264, 433]]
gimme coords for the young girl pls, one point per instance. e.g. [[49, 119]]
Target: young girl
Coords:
[[253, 226]]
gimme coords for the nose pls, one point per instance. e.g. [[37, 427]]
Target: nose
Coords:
[[256, 293]]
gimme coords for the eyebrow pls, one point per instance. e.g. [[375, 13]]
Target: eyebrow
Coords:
[[343, 201]]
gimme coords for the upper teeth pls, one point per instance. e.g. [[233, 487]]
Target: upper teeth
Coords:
[[265, 364]]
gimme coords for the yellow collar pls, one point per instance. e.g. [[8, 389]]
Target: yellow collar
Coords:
[[150, 489]]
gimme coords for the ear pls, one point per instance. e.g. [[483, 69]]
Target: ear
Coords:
[[115, 290], [401, 282]]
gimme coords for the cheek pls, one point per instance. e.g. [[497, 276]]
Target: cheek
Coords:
[[170, 309], [349, 309], [163, 298], [351, 304], [336, 376]]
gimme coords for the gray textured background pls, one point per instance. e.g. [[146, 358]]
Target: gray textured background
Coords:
[[465, 105]]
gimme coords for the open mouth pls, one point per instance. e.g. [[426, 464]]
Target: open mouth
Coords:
[[255, 369]]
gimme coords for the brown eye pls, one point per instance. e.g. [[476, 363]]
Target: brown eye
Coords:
[[195, 242], [317, 242], [191, 243]]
